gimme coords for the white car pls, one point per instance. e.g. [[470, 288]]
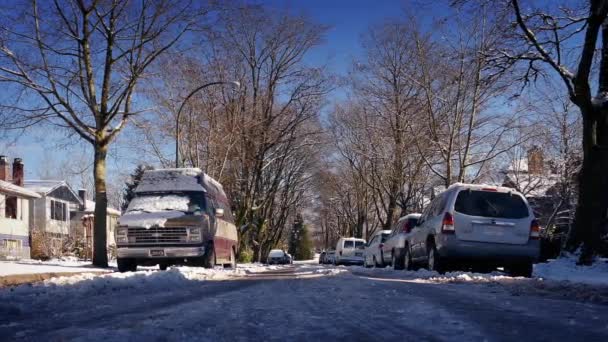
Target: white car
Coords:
[[349, 251], [373, 250]]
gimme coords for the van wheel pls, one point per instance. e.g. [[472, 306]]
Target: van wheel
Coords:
[[232, 264], [126, 265], [209, 258], [396, 262], [521, 270], [435, 262], [407, 260]]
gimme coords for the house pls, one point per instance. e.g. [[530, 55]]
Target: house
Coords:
[[15, 206], [50, 217], [82, 221]]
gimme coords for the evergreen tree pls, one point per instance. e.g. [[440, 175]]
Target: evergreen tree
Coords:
[[130, 185], [300, 244]]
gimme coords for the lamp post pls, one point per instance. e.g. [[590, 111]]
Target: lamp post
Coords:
[[236, 84]]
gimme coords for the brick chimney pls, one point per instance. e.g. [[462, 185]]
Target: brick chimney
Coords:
[[82, 193], [18, 172], [4, 168], [536, 161]]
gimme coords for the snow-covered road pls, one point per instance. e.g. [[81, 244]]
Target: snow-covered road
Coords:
[[302, 302]]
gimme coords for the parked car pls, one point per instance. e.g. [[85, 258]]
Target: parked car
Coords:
[[476, 225], [279, 257], [322, 257], [373, 249], [330, 257], [393, 249], [349, 251], [178, 216]]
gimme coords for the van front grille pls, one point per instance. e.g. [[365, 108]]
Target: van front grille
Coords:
[[157, 235]]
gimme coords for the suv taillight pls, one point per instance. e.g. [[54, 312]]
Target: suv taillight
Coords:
[[534, 230], [447, 226]]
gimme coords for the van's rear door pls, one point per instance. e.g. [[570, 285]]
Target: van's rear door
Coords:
[[491, 216]]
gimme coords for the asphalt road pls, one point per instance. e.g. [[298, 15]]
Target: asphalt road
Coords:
[[292, 305]]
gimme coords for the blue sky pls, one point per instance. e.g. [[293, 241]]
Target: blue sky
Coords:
[[347, 21]]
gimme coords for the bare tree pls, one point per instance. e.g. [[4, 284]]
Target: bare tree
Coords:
[[76, 64], [560, 41]]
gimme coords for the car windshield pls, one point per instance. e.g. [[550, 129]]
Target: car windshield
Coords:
[[491, 204], [276, 253], [151, 203]]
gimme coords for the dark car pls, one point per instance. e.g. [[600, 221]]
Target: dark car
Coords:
[[278, 257]]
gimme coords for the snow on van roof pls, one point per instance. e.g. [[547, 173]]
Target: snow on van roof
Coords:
[[163, 180]]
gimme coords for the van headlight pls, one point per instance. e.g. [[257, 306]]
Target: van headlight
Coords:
[[121, 235], [194, 234]]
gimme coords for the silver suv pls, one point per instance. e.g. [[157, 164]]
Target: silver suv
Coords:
[[479, 226]]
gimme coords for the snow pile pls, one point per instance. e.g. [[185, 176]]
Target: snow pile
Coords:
[[171, 180], [51, 266], [565, 269]]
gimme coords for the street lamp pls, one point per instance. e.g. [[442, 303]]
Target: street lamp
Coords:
[[236, 84]]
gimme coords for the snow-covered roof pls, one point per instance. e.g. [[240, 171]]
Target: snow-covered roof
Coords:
[[534, 185], [45, 187], [89, 207], [10, 188], [171, 180], [520, 165]]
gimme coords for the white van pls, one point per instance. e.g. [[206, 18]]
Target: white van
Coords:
[[350, 251]]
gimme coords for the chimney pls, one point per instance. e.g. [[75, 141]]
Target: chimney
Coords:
[[18, 172], [535, 161], [4, 173], [82, 193]]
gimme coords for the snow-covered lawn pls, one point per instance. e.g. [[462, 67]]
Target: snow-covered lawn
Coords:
[[565, 269], [16, 267]]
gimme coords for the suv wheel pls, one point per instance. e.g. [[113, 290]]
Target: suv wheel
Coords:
[[126, 265], [396, 262], [521, 270], [435, 262], [407, 260]]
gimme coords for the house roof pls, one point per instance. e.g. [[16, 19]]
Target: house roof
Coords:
[[13, 189], [90, 208], [45, 187]]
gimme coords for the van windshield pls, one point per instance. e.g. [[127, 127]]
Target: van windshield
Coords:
[[491, 204], [154, 202]]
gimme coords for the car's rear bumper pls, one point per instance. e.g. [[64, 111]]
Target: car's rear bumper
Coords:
[[350, 260], [451, 247], [169, 252]]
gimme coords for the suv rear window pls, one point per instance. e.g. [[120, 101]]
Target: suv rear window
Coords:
[[491, 204]]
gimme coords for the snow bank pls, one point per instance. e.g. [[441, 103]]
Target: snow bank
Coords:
[[565, 269]]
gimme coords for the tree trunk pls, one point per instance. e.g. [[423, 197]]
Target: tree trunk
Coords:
[[591, 211], [100, 255]]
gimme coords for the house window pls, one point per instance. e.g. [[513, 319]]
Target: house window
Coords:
[[58, 211], [11, 244], [10, 210]]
